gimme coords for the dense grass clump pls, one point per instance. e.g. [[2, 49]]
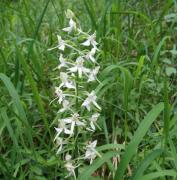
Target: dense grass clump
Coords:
[[136, 89]]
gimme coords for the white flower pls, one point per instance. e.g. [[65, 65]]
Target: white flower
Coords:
[[61, 128], [68, 157], [90, 55], [60, 143], [61, 43], [66, 106], [59, 94], [91, 152], [93, 73], [63, 62], [74, 120], [71, 28], [93, 120], [79, 67], [65, 82], [90, 41], [69, 166], [91, 99]]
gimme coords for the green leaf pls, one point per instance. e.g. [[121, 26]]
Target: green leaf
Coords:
[[170, 71], [173, 152], [157, 51], [158, 174], [16, 100]]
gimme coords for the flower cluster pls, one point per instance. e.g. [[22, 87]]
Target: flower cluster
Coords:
[[79, 110]]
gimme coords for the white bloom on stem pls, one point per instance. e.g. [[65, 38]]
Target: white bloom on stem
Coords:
[[90, 41], [69, 166], [93, 120], [65, 82], [60, 142], [91, 152], [91, 99], [93, 73], [63, 62], [71, 28], [74, 120], [90, 55], [66, 106], [60, 94], [61, 128], [79, 67], [61, 43]]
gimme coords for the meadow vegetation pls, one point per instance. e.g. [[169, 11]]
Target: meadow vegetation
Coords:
[[136, 89]]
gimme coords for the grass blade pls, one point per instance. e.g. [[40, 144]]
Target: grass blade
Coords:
[[16, 101], [159, 174]]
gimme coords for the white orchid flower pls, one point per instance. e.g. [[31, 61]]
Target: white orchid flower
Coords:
[[93, 120], [69, 167], [62, 61], [66, 106], [60, 94], [91, 152], [90, 55], [91, 99], [91, 41], [93, 73], [60, 142], [74, 120], [61, 128], [79, 67], [71, 28], [61, 43], [65, 82]]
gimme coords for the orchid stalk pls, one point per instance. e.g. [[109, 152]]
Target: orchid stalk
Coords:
[[78, 106]]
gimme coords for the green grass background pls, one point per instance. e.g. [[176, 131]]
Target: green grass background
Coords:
[[138, 93]]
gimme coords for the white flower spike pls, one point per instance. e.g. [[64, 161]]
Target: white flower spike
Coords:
[[77, 66]]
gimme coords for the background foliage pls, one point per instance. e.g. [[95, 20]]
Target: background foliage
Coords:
[[138, 64]]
